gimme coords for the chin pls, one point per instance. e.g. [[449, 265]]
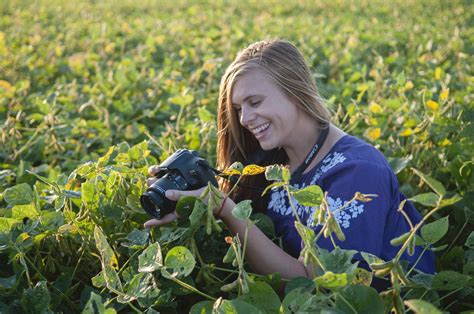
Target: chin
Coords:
[[267, 146]]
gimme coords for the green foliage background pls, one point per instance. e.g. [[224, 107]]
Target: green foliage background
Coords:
[[92, 93]]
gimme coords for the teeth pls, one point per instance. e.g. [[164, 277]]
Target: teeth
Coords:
[[261, 128]]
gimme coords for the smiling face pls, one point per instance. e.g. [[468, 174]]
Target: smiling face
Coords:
[[265, 111]]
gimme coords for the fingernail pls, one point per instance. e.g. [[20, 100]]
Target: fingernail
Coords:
[[169, 194]]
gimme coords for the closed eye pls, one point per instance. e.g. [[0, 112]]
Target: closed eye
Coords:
[[255, 103]]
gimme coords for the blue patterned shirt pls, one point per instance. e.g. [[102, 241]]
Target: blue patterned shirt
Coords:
[[352, 166]]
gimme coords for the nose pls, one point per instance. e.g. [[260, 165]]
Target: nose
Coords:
[[246, 115]]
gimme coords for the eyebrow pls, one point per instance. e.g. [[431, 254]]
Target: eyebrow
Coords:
[[245, 99]]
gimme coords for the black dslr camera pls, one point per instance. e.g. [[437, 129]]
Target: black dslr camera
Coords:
[[184, 170]]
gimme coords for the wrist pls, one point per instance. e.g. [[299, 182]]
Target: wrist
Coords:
[[219, 210]]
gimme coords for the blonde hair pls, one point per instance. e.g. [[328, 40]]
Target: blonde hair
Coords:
[[286, 66]]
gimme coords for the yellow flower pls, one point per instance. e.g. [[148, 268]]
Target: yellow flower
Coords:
[[409, 85], [444, 95], [445, 142], [406, 132], [373, 133], [375, 107], [438, 73], [433, 105]]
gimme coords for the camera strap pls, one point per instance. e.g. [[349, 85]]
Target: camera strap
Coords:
[[312, 154]]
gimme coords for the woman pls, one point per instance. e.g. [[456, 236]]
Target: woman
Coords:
[[268, 101]]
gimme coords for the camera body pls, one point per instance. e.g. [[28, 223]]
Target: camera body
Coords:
[[184, 170]]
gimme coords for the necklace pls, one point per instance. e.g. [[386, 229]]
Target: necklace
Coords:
[[312, 154]]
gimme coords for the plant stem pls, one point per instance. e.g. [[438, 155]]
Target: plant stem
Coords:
[[413, 232], [65, 297], [191, 288], [417, 260]]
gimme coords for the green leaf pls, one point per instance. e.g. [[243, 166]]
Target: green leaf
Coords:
[[89, 195], [98, 280], [264, 223], [427, 199], [205, 115], [94, 305], [20, 194], [54, 185], [299, 300], [36, 299], [185, 206], [198, 212], [450, 280], [359, 299], [104, 160], [433, 232], [6, 224], [182, 100], [242, 210], [8, 282], [371, 259], [299, 282], [262, 296], [422, 307], [274, 173], [203, 307], [398, 164], [137, 152], [108, 260], [234, 306], [331, 280], [21, 211], [180, 260], [142, 285], [432, 183], [136, 239], [338, 260], [309, 196], [423, 280], [150, 259]]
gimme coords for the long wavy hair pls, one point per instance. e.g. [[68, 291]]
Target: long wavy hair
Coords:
[[286, 66]]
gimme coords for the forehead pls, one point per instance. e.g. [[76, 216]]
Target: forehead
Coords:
[[253, 83]]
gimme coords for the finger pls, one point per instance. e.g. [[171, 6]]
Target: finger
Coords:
[[175, 195], [150, 181], [159, 222], [153, 170]]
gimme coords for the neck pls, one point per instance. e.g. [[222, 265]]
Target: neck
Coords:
[[302, 144]]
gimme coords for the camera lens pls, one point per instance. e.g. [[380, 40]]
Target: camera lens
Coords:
[[154, 201]]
